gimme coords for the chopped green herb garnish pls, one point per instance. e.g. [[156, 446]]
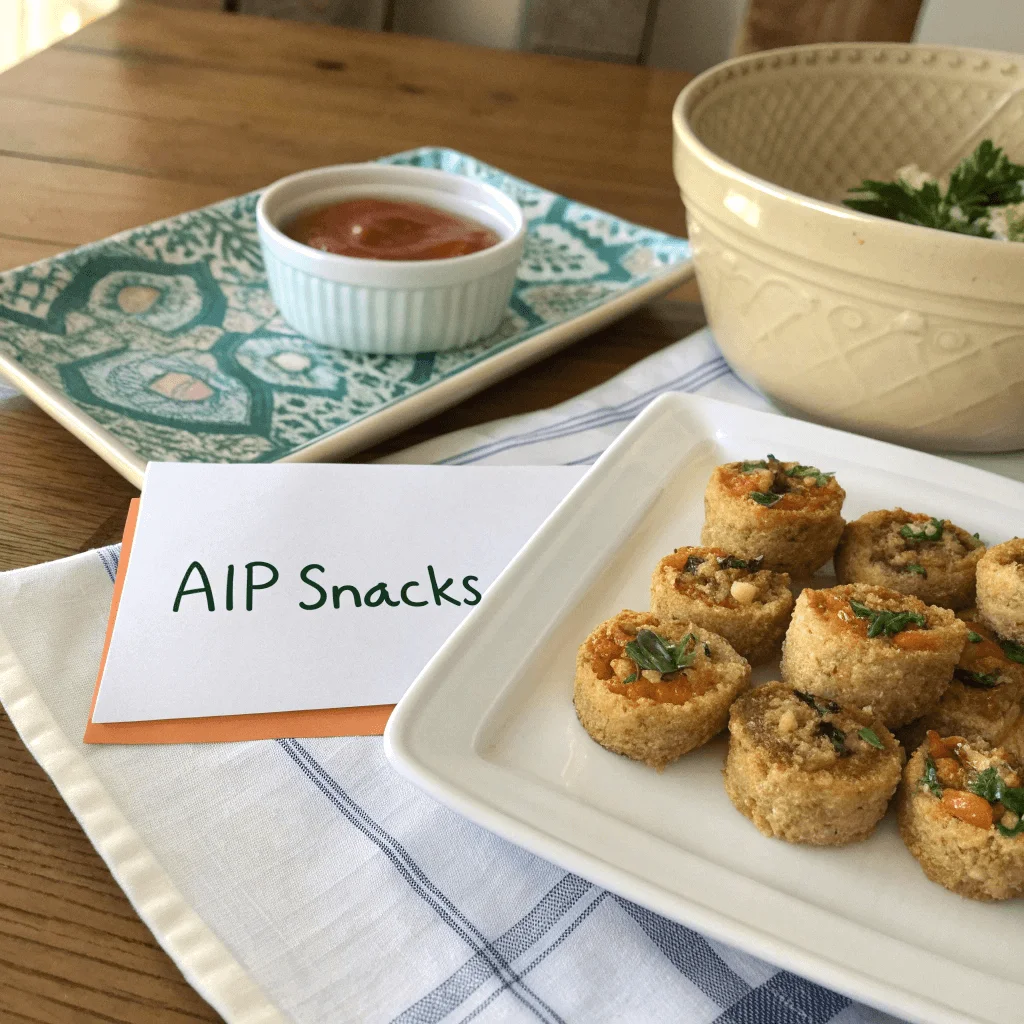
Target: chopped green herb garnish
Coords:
[[654, 652], [987, 784], [631, 678], [1013, 651], [915, 568], [889, 623], [977, 680], [766, 498], [974, 638], [749, 467], [732, 562], [930, 777], [693, 563], [1012, 798], [990, 786], [837, 737], [820, 479], [870, 736], [984, 179], [823, 706], [931, 531], [707, 650]]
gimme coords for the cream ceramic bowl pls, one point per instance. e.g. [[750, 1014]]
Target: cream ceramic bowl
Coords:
[[390, 306], [905, 333]]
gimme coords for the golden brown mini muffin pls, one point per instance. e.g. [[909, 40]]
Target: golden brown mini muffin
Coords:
[[960, 808], [912, 553], [632, 699], [809, 770], [784, 512], [1001, 589], [983, 702], [733, 597], [872, 648]]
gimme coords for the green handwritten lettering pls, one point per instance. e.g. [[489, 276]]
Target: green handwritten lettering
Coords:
[[204, 589], [378, 595], [304, 576], [440, 591], [471, 589], [405, 594], [251, 586], [338, 591], [229, 589]]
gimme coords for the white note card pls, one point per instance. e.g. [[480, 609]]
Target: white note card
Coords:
[[256, 589]]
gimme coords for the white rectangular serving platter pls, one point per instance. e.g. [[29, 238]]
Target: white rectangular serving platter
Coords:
[[489, 729]]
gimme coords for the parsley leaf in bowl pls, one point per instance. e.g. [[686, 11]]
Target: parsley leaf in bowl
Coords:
[[984, 197]]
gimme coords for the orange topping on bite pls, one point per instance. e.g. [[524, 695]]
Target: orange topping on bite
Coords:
[[939, 748], [968, 807]]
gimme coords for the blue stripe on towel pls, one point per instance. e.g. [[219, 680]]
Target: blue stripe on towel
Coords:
[[511, 945], [785, 999], [110, 556], [591, 420], [541, 956], [691, 954], [417, 880]]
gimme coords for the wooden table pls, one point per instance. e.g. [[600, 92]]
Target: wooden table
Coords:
[[153, 111]]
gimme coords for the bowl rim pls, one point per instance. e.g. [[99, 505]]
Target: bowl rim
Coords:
[[685, 134], [360, 265]]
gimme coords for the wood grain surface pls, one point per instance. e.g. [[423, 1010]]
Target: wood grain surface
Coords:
[[151, 112]]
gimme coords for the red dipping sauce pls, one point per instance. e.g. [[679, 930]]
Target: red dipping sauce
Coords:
[[385, 229]]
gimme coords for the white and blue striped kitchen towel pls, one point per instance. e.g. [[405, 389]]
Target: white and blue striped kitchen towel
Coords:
[[304, 881]]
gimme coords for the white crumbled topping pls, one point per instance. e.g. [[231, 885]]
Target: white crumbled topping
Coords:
[[1007, 222], [622, 667], [914, 176]]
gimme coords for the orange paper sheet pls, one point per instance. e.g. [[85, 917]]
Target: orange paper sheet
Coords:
[[361, 721]]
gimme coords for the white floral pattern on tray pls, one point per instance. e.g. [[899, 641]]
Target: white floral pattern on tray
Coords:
[[167, 337]]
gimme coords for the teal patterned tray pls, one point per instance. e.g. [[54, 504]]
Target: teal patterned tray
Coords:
[[162, 343]]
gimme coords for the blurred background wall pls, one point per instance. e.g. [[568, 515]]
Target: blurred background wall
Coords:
[[686, 34]]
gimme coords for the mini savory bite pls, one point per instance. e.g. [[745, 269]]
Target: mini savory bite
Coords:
[[784, 512], [1001, 589], [983, 702], [873, 648], [807, 769], [734, 597], [961, 807], [654, 689], [912, 553]]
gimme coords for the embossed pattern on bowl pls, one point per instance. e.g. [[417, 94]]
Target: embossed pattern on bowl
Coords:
[[901, 332]]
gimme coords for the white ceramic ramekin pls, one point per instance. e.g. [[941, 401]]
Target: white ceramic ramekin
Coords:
[[390, 306]]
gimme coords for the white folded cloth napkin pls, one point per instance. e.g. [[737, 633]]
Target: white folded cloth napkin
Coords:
[[304, 881]]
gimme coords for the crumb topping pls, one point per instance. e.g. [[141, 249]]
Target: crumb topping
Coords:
[[785, 486], [979, 786], [716, 577], [915, 542], [984, 663], [877, 614], [636, 660], [813, 732]]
